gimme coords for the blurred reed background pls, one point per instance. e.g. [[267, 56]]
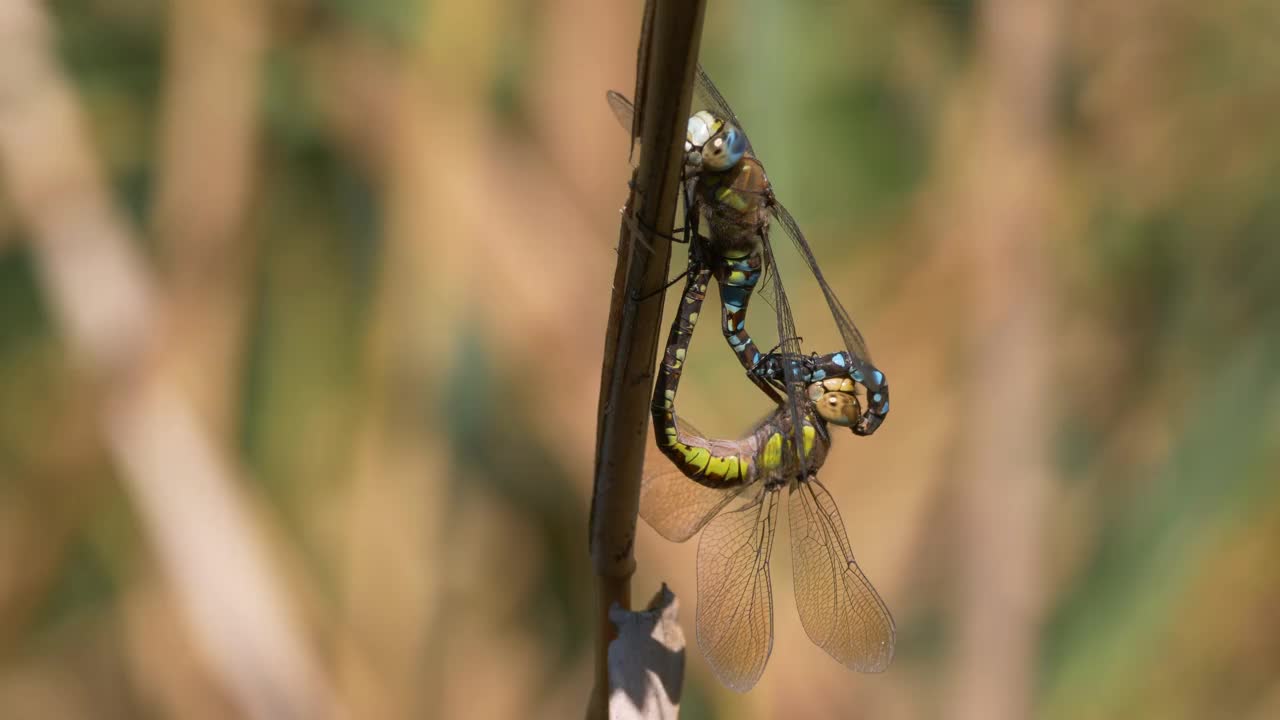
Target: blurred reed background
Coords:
[[301, 317]]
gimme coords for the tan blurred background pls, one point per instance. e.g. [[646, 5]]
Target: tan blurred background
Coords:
[[302, 308]]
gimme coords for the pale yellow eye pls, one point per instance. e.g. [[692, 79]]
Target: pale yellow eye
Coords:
[[837, 408]]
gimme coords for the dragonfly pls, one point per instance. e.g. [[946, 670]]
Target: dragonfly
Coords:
[[839, 609], [725, 183]]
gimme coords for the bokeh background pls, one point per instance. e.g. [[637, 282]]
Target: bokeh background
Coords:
[[302, 307]]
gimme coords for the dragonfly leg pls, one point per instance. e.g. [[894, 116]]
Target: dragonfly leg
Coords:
[[637, 297], [797, 338], [768, 389], [643, 231], [678, 235], [769, 365]]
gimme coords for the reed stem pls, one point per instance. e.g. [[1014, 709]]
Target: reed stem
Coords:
[[667, 59]]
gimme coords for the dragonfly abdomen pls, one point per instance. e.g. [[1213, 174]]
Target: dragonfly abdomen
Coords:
[[714, 464], [703, 464], [738, 276]]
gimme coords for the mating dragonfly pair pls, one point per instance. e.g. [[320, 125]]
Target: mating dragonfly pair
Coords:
[[724, 183]]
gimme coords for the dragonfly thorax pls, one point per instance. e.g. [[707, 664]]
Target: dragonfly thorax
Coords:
[[734, 203], [776, 457]]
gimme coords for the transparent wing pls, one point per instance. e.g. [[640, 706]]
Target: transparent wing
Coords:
[[849, 332], [788, 349], [623, 110], [735, 603], [862, 370], [708, 96], [839, 609], [671, 503]]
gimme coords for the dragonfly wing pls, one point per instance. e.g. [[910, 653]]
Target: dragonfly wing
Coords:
[[840, 611], [709, 98], [670, 502], [848, 331], [704, 90], [876, 402], [789, 349], [623, 110], [735, 602]]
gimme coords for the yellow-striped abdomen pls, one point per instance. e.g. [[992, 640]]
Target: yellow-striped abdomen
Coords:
[[771, 457]]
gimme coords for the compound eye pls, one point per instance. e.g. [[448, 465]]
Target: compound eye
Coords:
[[699, 129], [727, 149], [839, 408]]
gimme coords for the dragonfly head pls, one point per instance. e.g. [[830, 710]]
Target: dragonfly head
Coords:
[[712, 143], [835, 400]]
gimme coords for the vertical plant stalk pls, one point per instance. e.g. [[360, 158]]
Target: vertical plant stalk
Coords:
[[668, 55], [1006, 478], [183, 486], [208, 146]]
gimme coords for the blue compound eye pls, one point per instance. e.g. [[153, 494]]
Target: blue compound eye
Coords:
[[724, 150], [737, 143]]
